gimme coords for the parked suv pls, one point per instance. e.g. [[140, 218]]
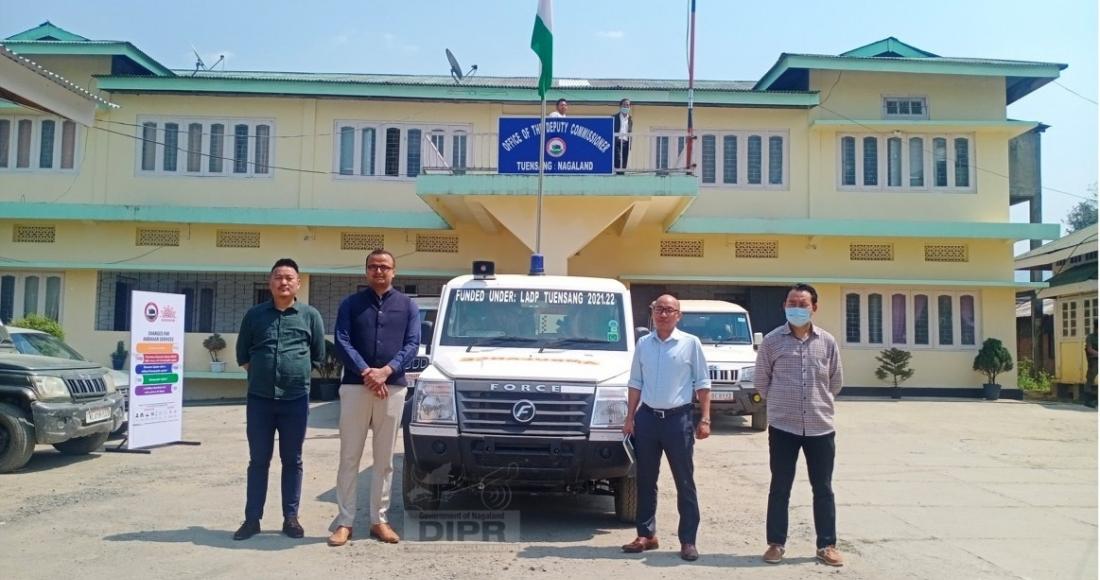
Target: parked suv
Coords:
[[70, 404], [429, 307]]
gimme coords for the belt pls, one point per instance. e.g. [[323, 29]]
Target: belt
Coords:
[[663, 413]]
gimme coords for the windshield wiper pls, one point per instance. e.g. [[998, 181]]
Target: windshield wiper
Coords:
[[501, 340], [562, 342]]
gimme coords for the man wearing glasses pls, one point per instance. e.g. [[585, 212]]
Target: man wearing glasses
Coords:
[[377, 336], [279, 343], [668, 371]]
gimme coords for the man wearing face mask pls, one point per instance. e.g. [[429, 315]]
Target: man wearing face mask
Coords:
[[624, 125], [798, 371]]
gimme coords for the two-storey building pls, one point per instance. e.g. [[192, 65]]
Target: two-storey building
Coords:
[[881, 175]]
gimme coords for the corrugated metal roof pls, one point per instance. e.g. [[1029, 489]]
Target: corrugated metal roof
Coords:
[[476, 81], [938, 59]]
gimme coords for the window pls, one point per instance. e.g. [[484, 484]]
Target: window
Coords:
[[178, 147], [739, 159], [896, 157], [1069, 319], [951, 319], [405, 152], [25, 293], [198, 306], [37, 143], [904, 108], [665, 158]]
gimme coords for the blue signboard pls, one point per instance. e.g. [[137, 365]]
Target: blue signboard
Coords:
[[574, 145]]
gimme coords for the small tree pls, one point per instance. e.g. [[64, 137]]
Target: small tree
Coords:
[[214, 344], [1083, 214], [993, 359], [330, 368], [894, 365], [39, 322]]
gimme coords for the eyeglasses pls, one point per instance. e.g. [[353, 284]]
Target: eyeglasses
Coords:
[[665, 311], [379, 267]]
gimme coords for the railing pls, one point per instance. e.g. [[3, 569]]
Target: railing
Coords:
[[661, 153]]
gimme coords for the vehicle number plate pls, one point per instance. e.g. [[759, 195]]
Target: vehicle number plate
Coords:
[[722, 395], [97, 415]]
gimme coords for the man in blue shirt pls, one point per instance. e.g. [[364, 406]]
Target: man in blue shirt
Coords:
[[669, 369], [279, 343], [377, 336]]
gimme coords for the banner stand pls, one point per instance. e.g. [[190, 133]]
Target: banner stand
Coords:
[[145, 451]]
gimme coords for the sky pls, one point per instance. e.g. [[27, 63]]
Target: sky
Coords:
[[735, 40]]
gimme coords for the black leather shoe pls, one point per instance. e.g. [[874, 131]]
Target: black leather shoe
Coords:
[[689, 553], [292, 528], [248, 529]]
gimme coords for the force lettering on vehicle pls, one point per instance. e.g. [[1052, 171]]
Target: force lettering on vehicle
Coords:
[[524, 388]]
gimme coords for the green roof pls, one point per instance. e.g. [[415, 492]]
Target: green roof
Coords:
[[478, 89], [46, 31], [49, 39], [689, 224], [890, 55], [1082, 273]]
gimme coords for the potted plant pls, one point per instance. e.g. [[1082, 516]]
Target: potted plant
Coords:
[[894, 365], [215, 344], [992, 360], [327, 386], [118, 357]]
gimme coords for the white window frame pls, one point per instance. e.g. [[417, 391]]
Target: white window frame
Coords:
[[182, 145], [923, 99], [36, 140], [19, 294], [447, 131], [928, 163], [742, 157], [933, 295]]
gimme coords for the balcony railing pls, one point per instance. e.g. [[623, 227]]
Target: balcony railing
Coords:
[[662, 153]]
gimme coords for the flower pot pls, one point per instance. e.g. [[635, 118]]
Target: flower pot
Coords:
[[330, 390], [895, 393], [217, 367], [118, 362], [991, 391]]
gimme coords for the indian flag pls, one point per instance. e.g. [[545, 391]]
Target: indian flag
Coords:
[[542, 42]]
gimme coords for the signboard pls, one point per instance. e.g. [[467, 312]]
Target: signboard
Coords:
[[156, 370], [574, 145]]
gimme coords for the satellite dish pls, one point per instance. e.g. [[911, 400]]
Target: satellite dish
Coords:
[[199, 64], [456, 69]]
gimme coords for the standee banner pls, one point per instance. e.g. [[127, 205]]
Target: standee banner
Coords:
[[574, 145], [156, 370]]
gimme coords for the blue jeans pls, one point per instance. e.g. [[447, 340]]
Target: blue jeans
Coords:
[[673, 435], [265, 417]]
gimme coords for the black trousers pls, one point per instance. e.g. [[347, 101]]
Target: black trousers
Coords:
[[820, 454], [622, 154], [673, 435], [266, 417]]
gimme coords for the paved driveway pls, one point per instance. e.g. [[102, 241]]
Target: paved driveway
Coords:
[[947, 489]]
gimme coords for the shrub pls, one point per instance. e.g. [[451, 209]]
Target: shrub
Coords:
[[39, 322], [1032, 379], [993, 359], [894, 365], [213, 344]]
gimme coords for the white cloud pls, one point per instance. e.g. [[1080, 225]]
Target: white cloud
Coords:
[[611, 34]]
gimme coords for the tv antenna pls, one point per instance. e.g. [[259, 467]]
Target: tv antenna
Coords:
[[200, 65], [456, 69]]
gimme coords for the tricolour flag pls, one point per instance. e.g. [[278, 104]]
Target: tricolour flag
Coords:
[[542, 42]]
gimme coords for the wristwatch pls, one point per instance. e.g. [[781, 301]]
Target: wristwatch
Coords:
[[705, 420]]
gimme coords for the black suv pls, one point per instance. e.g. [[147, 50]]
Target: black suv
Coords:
[[72, 405]]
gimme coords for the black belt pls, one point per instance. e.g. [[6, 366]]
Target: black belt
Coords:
[[663, 413]]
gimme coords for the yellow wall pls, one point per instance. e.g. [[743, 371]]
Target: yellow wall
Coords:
[[858, 95]]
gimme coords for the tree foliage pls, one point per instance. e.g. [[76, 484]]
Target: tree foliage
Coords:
[[1083, 214], [993, 359], [894, 365], [39, 322]]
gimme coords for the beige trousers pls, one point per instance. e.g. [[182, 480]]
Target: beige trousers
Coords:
[[362, 411]]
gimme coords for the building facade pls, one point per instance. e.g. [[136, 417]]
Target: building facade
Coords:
[[881, 175]]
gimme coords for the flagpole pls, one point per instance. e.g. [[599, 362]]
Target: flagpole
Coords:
[[691, 91], [538, 198]]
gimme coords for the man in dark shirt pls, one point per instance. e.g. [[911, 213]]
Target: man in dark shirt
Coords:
[[377, 336], [279, 343]]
